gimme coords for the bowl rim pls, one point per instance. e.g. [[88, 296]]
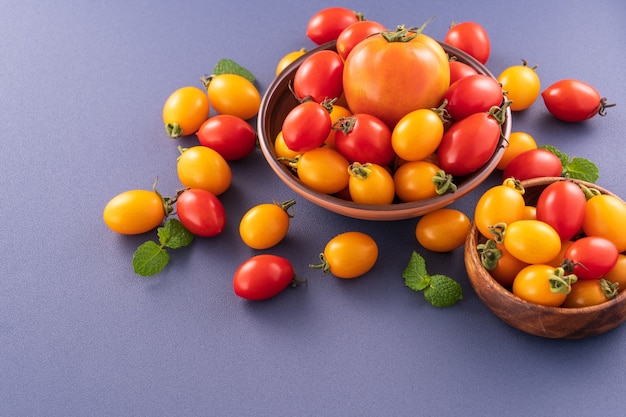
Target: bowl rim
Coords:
[[395, 211]]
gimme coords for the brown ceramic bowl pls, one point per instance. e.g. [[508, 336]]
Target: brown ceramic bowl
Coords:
[[279, 100], [549, 322]]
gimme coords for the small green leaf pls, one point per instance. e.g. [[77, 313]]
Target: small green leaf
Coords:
[[562, 156], [415, 275], [174, 235], [150, 259], [582, 169], [228, 66], [443, 291]]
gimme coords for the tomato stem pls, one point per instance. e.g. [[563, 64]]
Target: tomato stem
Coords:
[[173, 130], [443, 183], [286, 205], [489, 254], [324, 265], [345, 124], [609, 288], [168, 202], [402, 34], [589, 192], [604, 105], [514, 184], [561, 283], [498, 230], [361, 171]]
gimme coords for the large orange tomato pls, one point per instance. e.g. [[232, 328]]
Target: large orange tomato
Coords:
[[393, 73]]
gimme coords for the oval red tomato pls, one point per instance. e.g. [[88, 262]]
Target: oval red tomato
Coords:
[[472, 94], [201, 212], [590, 257], [573, 101], [534, 163], [364, 138], [306, 126], [231, 136], [460, 70], [562, 205], [471, 38], [327, 24], [262, 277], [319, 77]]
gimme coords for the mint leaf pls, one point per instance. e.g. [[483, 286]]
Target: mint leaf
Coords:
[[575, 168], [443, 291], [415, 275], [562, 156], [173, 235], [228, 66], [150, 259]]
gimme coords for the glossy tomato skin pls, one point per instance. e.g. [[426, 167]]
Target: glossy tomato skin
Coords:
[[532, 284], [233, 94], [585, 293], [326, 25], [473, 94], [201, 212], [134, 212], [460, 70], [522, 85], [288, 59], [319, 77], [591, 257], [468, 144], [532, 241], [605, 216], [364, 139], [324, 170], [533, 163], [471, 38], [203, 167], [572, 100], [618, 273], [370, 184], [262, 276], [354, 34], [351, 254], [265, 225], [306, 126], [442, 230], [507, 268], [499, 204], [417, 135], [562, 205], [518, 142], [390, 79], [185, 110], [413, 181], [231, 136]]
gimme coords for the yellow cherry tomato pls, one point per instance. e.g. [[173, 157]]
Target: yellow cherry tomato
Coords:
[[135, 211], [522, 85], [532, 241], [203, 167], [233, 94], [417, 134], [518, 142], [605, 216], [349, 255], [323, 169], [265, 225], [442, 230], [618, 273], [532, 284], [589, 292], [370, 184], [185, 110], [287, 59], [414, 180], [499, 204]]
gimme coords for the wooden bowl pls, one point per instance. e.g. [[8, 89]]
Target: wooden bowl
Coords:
[[279, 100], [549, 322]]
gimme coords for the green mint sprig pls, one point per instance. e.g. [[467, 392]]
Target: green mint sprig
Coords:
[[150, 257], [228, 66], [439, 290], [575, 168]]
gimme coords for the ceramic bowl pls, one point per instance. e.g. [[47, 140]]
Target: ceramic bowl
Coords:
[[548, 322], [279, 100]]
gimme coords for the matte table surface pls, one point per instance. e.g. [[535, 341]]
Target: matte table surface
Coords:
[[82, 86]]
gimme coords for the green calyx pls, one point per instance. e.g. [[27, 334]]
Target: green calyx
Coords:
[[360, 171], [324, 265], [561, 282], [173, 130], [489, 254], [402, 34], [443, 183]]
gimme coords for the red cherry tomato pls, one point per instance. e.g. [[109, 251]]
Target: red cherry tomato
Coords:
[[472, 94], [327, 24], [533, 163], [319, 77], [471, 38], [364, 138], [354, 34], [262, 277], [201, 212], [574, 101], [231, 136], [306, 126], [562, 205], [459, 70], [591, 257]]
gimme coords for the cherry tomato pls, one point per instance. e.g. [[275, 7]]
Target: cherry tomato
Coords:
[[574, 101], [135, 211], [364, 138], [287, 59], [442, 230], [231, 136], [282, 151], [265, 225], [233, 94], [507, 268], [319, 77], [328, 23], [355, 33], [393, 74], [337, 112], [263, 276], [532, 241], [459, 70], [530, 213], [521, 84], [306, 126], [370, 184], [518, 142], [473, 94], [185, 110], [605, 216], [414, 181], [534, 163], [323, 169], [590, 257], [201, 212], [499, 204], [533, 285], [618, 273], [558, 198], [471, 38], [417, 134], [202, 167], [469, 143], [557, 261], [349, 255], [589, 292]]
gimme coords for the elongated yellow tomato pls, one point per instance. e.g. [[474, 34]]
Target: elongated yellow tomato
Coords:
[[233, 94], [414, 181], [323, 169], [417, 134], [205, 168], [265, 225], [185, 110], [442, 230], [500, 204], [135, 211], [532, 284], [605, 216], [532, 241], [287, 59], [349, 255], [370, 184]]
